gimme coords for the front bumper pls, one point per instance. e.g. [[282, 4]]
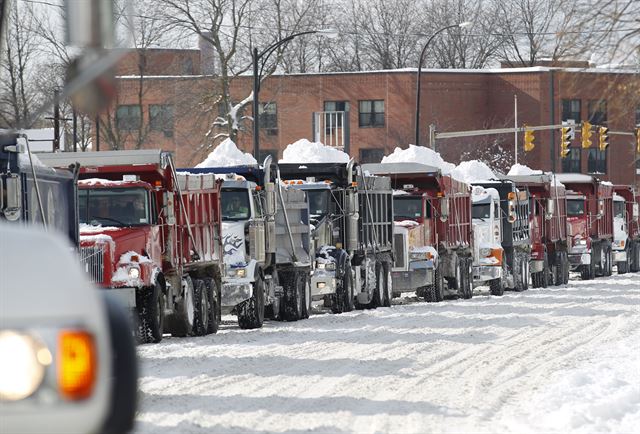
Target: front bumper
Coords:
[[405, 281], [126, 295], [482, 273], [578, 259], [234, 293], [619, 256], [323, 283]]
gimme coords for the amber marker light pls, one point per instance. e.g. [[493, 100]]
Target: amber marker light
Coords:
[[77, 364]]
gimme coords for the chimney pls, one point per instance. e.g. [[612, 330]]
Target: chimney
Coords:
[[207, 55]]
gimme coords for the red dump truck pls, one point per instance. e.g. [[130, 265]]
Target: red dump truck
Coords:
[[432, 234], [589, 224], [152, 236], [549, 263], [626, 234]]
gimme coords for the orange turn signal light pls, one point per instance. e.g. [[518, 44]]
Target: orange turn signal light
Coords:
[[77, 364]]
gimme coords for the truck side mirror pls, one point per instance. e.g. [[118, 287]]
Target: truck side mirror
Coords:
[[169, 208], [550, 209], [444, 209], [13, 208]]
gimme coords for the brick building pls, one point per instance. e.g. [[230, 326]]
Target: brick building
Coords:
[[370, 113]]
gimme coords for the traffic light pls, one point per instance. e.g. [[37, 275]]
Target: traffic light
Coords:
[[603, 138], [586, 135], [528, 140], [565, 141]]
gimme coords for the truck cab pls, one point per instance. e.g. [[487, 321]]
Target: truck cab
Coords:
[[620, 234], [488, 254]]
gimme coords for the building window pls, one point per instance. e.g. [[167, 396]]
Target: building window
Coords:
[[265, 152], [597, 161], [571, 163], [638, 116], [598, 112], [371, 155], [161, 118], [571, 110], [371, 113], [128, 117], [332, 119], [268, 117]]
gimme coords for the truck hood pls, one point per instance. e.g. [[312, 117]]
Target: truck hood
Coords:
[[233, 243], [619, 230], [577, 226], [482, 237], [122, 240]]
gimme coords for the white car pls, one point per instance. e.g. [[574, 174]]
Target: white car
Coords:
[[68, 359]]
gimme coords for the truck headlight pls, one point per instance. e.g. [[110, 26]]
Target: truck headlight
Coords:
[[331, 266], [22, 365], [485, 252], [237, 272], [581, 242], [134, 273], [420, 256]]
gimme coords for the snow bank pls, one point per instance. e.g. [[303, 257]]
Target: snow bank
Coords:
[[521, 169], [472, 171], [227, 154], [304, 151], [419, 154]]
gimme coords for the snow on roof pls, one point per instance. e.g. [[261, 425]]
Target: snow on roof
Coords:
[[521, 169], [568, 178], [227, 154], [618, 198], [472, 171], [419, 154], [304, 151]]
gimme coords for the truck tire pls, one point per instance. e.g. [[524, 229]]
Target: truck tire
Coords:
[[558, 270], [388, 284], [545, 274], [565, 259], [183, 320], [251, 312], [635, 257], [150, 307], [293, 283], [496, 287], [343, 288], [378, 293], [124, 371], [203, 308], [435, 292], [214, 301], [306, 306], [623, 267], [608, 271], [517, 273], [467, 277]]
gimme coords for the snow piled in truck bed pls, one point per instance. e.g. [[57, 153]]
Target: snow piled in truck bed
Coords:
[[419, 154], [304, 151], [227, 154], [520, 169], [472, 171]]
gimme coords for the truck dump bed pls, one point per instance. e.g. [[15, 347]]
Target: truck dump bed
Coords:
[[594, 191]]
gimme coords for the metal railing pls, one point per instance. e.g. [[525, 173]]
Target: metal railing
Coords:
[[92, 260], [332, 129]]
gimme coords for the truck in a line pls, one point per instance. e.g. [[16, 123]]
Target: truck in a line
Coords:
[[266, 240], [549, 264], [626, 234], [151, 236], [432, 232], [590, 224], [502, 242], [352, 214]]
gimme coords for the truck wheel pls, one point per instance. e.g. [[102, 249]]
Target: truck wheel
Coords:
[[623, 267], [378, 292], [184, 320], [517, 273], [388, 284], [467, 276], [349, 304], [546, 273], [496, 287], [527, 272], [306, 306], [293, 293], [124, 371], [203, 308], [635, 257], [435, 293], [609, 269], [565, 259], [251, 312], [150, 307], [215, 313]]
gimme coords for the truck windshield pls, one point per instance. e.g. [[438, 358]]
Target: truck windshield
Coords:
[[407, 207], [618, 208], [481, 211], [575, 207], [318, 202], [114, 206], [235, 204]]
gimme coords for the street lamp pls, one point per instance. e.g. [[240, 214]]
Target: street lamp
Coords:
[[257, 73], [424, 49]]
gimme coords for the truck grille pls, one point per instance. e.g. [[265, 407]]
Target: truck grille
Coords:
[[92, 260], [398, 247]]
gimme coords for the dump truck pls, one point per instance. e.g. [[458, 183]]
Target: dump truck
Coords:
[[152, 237], [502, 241], [549, 264], [432, 232], [33, 193], [590, 224], [626, 234], [352, 215], [266, 239]]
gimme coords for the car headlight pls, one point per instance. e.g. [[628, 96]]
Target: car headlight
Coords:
[[22, 365], [134, 273], [485, 252]]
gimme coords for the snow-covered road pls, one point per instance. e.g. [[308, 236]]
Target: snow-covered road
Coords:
[[559, 359]]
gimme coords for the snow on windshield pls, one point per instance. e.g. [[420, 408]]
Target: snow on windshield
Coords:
[[304, 151], [227, 154]]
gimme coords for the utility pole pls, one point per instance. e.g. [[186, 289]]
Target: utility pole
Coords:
[[56, 120], [515, 125], [75, 131]]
